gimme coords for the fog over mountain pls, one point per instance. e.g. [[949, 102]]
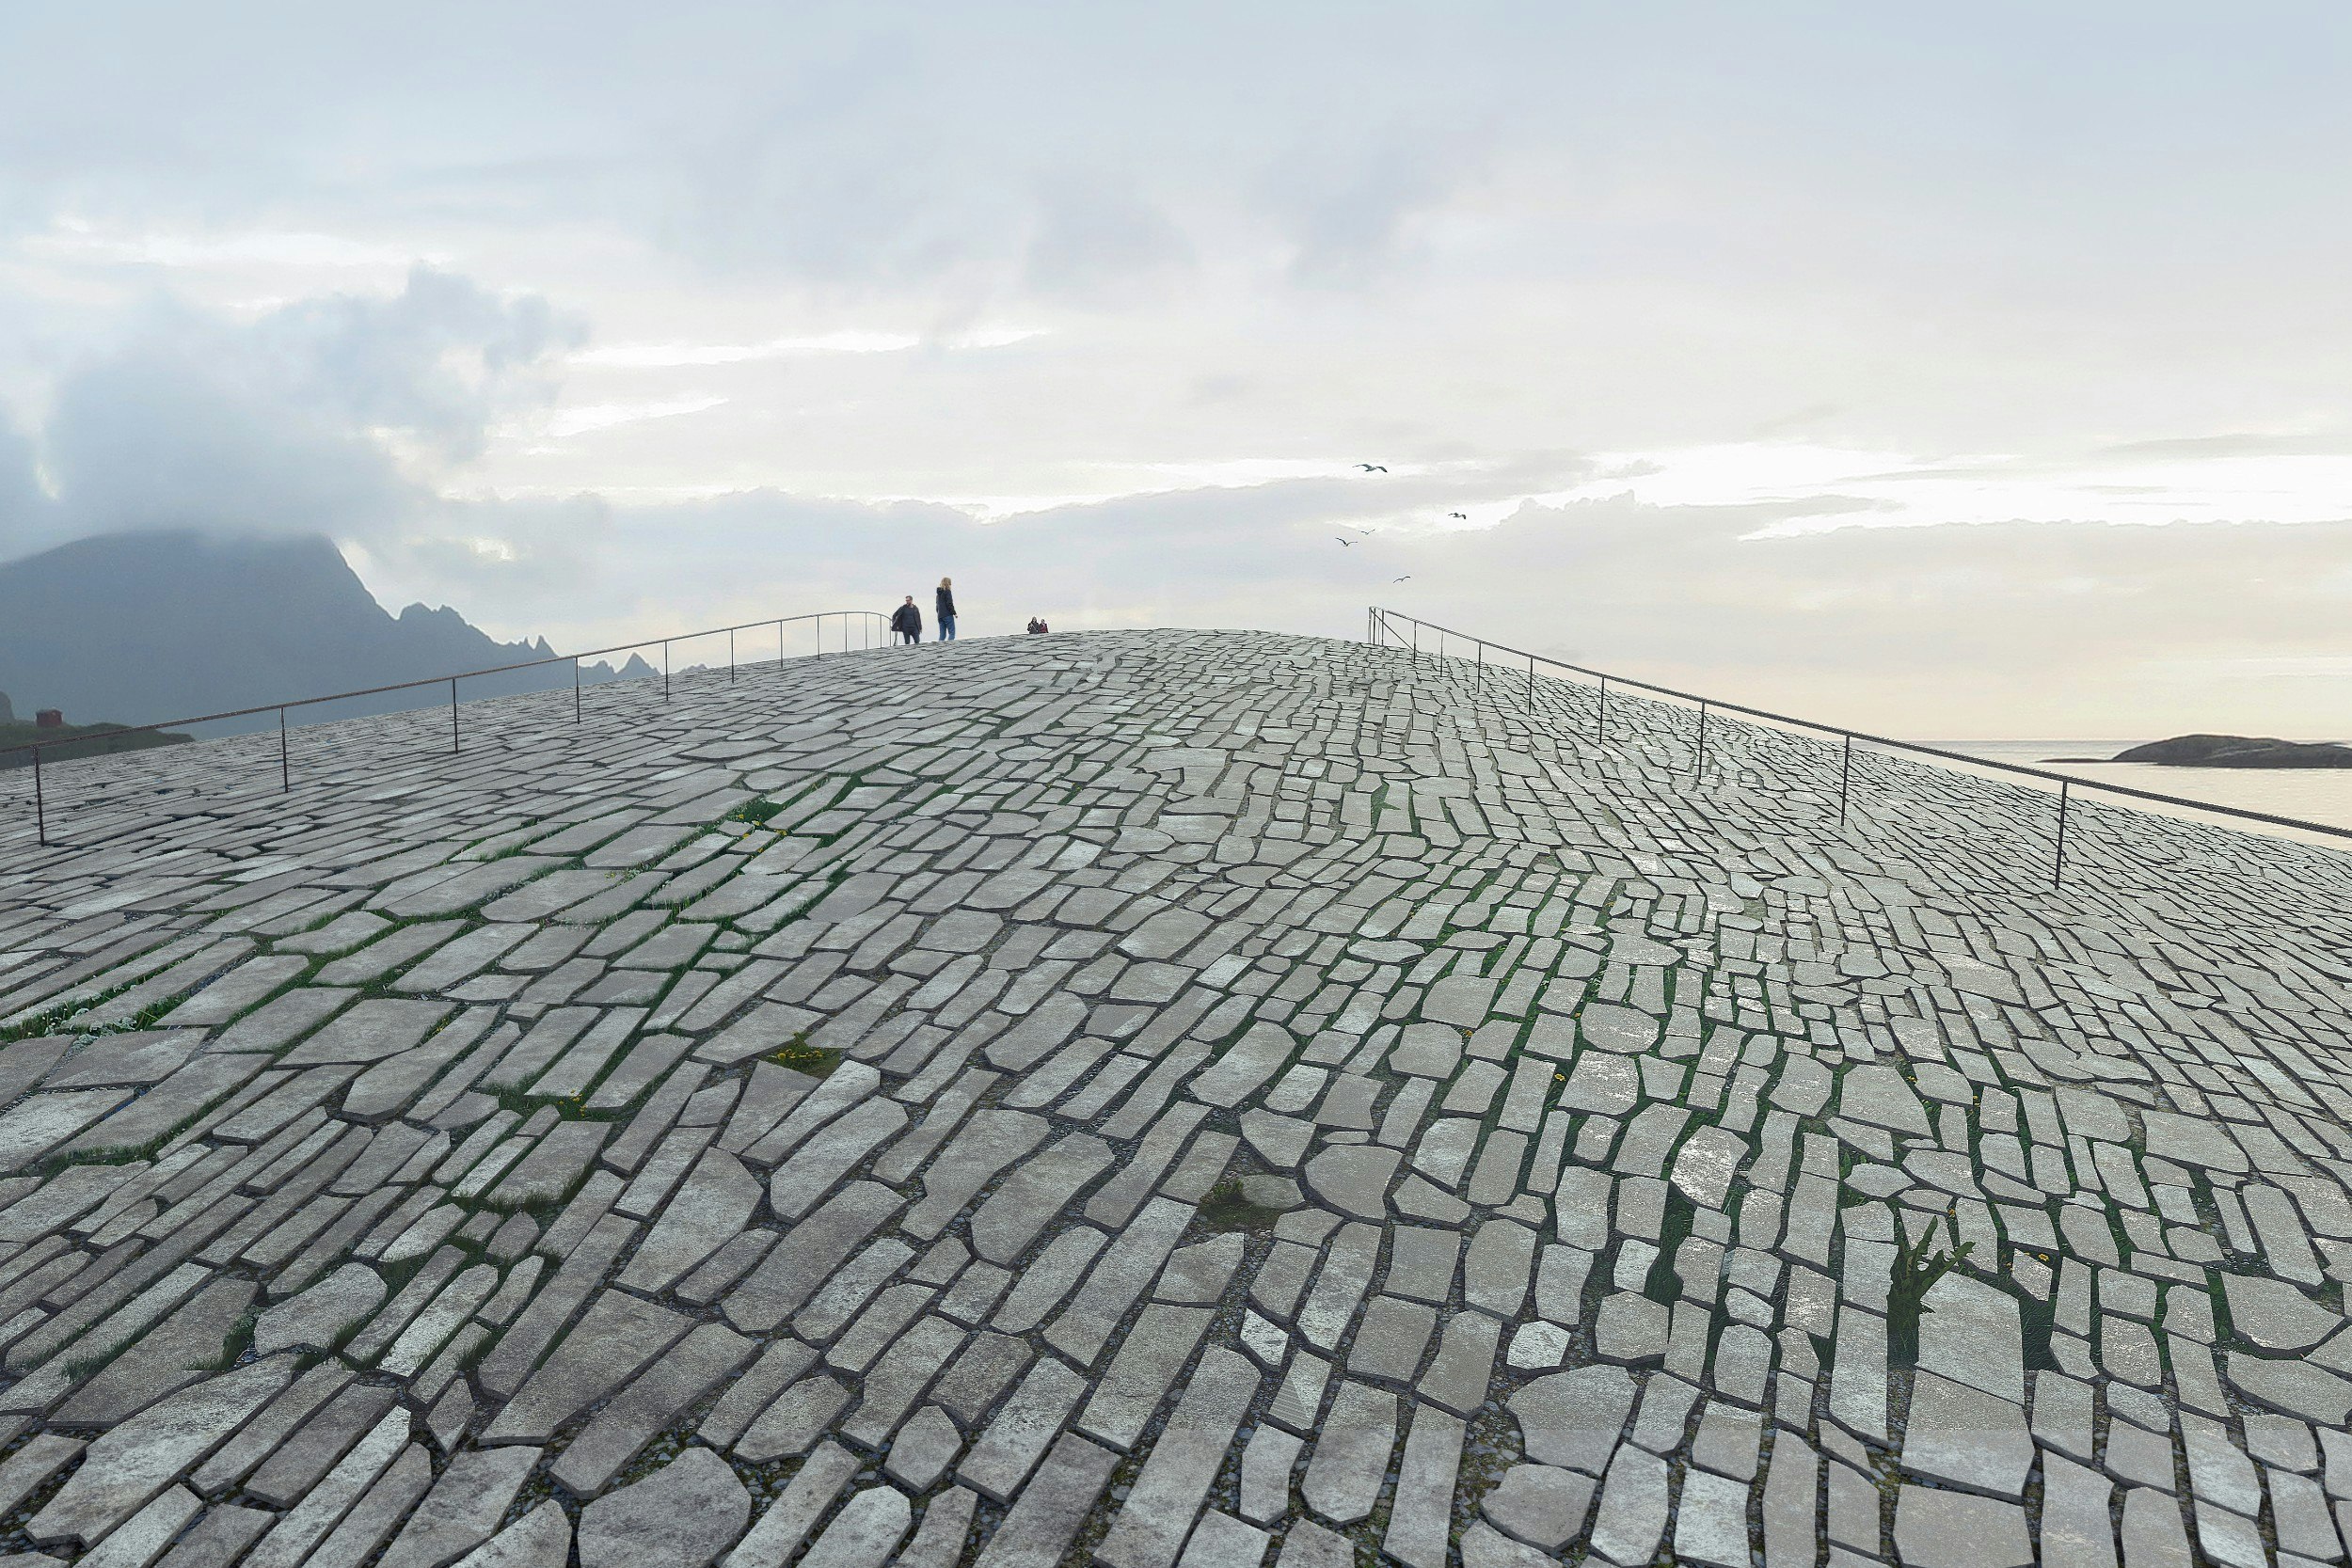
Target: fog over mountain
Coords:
[[142, 628]]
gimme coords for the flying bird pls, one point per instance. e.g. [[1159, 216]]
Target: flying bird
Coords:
[[1406, 578], [1372, 468], [1464, 516], [1345, 543]]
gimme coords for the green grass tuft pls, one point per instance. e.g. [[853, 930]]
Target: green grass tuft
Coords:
[[816, 1061]]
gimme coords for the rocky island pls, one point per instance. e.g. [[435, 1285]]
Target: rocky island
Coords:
[[2238, 751]]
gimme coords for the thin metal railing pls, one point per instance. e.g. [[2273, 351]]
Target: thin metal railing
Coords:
[[867, 625], [1381, 623]]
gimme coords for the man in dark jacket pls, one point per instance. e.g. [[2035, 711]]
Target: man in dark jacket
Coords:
[[908, 623]]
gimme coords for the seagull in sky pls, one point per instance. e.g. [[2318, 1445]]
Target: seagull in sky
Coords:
[[1464, 516], [1406, 578], [1372, 468], [1345, 543]]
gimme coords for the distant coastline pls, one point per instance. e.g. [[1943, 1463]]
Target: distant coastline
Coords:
[[2227, 751], [2311, 794]]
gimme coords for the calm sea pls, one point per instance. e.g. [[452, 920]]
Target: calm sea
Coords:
[[2313, 795]]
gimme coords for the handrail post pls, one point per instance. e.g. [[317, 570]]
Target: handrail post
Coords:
[[665, 669], [1601, 714], [575, 688], [1698, 765], [41, 801], [1530, 683], [730, 653], [1845, 776], [285, 766], [2058, 867], [779, 641], [452, 715], [1480, 679]]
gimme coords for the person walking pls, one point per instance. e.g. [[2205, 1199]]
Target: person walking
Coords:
[[908, 621], [945, 604]]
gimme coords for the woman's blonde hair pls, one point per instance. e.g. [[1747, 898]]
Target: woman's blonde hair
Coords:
[[946, 582]]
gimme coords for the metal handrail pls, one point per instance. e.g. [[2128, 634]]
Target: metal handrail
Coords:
[[872, 621], [1379, 623]]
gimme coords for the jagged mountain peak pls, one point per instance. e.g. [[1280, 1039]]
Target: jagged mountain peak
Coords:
[[143, 628]]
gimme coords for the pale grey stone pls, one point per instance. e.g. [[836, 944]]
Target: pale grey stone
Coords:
[[1967, 1437], [1612, 1027], [1142, 1374], [1200, 1272], [629, 1419], [1631, 1516], [2275, 1315], [2074, 1520], [1353, 1181], [1712, 1521], [1022, 1428], [1351, 1454], [1159, 1509], [1956, 1529], [1574, 1419], [1540, 1504], [540, 1539], [122, 1469], [713, 1206], [864, 1534], [774, 1540], [1221, 1540], [463, 1508], [1421, 1514], [1051, 1509], [1268, 1462], [923, 1448]]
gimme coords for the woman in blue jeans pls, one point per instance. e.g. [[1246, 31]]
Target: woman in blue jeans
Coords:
[[946, 601]]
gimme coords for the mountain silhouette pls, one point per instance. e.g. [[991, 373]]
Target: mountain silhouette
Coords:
[[138, 628]]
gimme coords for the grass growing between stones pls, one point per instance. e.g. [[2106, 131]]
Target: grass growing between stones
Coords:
[[816, 1061], [1227, 1207], [232, 1345], [82, 1366], [1915, 1272]]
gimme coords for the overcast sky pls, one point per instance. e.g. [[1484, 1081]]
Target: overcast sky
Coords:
[[1949, 371]]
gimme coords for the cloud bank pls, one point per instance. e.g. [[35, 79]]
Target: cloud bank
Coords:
[[1930, 372], [335, 414]]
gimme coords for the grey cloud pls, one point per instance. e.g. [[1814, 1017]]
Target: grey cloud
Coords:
[[2017, 629], [2237, 444], [1344, 211], [278, 424], [1981, 625], [440, 359], [1094, 238], [24, 507]]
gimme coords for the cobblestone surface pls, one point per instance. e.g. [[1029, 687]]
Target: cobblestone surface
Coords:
[[1156, 1099]]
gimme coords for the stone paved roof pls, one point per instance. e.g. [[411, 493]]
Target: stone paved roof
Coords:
[[1153, 1099]]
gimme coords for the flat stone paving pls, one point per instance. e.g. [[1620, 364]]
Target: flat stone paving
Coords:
[[1156, 1098]]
